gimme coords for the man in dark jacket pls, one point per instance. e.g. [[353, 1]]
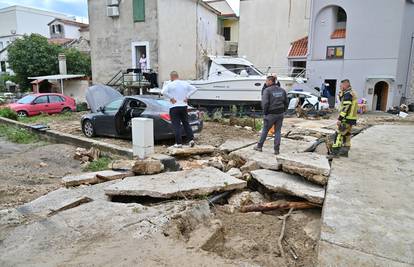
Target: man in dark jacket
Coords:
[[274, 104]]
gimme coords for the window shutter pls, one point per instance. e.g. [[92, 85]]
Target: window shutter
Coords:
[[138, 10]]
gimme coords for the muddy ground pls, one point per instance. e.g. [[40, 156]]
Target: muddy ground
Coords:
[[32, 170]]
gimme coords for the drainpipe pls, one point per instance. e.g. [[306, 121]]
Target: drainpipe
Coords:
[[410, 60]]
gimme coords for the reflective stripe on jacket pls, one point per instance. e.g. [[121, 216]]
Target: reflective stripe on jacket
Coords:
[[348, 107]]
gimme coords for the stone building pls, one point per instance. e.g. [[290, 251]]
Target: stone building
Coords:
[[174, 35], [267, 29], [374, 49]]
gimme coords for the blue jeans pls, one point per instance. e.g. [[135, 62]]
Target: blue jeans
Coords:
[[179, 115], [268, 121]]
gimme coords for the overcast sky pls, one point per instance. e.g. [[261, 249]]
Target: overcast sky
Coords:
[[72, 7]]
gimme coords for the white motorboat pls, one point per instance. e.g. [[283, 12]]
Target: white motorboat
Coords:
[[233, 81]]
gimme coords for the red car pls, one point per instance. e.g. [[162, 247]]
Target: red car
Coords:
[[35, 104]]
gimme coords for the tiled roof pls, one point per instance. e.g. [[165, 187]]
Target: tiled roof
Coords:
[[338, 34], [299, 48], [59, 41]]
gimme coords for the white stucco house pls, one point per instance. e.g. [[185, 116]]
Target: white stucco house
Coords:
[[174, 35], [228, 25], [16, 21], [267, 29], [369, 42]]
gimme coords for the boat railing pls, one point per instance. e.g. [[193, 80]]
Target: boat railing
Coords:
[[292, 72]]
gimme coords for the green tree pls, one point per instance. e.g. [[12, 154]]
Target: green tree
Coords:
[[77, 62], [32, 55]]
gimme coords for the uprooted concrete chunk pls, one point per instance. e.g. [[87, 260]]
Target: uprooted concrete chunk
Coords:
[[249, 166], [280, 182], [187, 151], [122, 164], [235, 172], [147, 166], [312, 166], [197, 182], [170, 163], [207, 236], [93, 177], [267, 159]]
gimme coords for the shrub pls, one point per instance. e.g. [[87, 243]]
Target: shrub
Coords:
[[8, 113], [100, 164], [81, 107]]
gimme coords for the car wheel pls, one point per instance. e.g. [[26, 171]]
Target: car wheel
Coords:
[[22, 114], [66, 109], [308, 106], [88, 129]]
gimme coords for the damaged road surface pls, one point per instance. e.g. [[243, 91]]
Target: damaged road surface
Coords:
[[199, 182]]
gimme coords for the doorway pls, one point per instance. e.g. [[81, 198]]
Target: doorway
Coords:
[[138, 49], [331, 87], [380, 96]]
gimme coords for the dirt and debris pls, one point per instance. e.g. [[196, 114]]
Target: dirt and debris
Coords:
[[32, 170]]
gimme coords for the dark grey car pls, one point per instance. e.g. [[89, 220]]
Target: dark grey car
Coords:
[[114, 119]]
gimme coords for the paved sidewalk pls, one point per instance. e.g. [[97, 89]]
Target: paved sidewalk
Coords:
[[368, 215]]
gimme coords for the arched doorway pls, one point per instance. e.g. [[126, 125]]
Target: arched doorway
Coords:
[[380, 96]]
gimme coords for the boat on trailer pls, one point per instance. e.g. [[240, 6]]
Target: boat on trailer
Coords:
[[234, 81]]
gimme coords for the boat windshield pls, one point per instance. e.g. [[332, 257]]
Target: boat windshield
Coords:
[[237, 68]]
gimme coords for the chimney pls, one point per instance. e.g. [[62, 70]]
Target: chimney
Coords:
[[62, 64]]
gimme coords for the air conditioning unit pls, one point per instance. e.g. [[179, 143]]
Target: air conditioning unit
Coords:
[[112, 11], [112, 2]]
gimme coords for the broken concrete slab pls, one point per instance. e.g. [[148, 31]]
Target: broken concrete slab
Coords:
[[367, 219], [170, 163], [93, 177], [285, 183], [147, 166], [235, 144], [312, 166], [249, 166], [267, 159], [235, 172], [176, 184], [122, 164], [187, 151], [206, 236]]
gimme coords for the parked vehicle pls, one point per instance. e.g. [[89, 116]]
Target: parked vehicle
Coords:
[[114, 118], [307, 101], [234, 81], [50, 103]]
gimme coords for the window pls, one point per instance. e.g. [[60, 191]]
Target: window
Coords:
[[41, 100], [237, 68], [3, 65], [56, 99], [26, 100], [227, 33], [114, 106], [52, 27], [138, 10], [335, 52], [341, 15]]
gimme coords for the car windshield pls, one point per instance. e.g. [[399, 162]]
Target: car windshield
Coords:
[[237, 68], [26, 100], [114, 105]]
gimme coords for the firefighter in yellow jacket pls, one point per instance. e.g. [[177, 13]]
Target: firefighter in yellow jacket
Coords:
[[347, 118]]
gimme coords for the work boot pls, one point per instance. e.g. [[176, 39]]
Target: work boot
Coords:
[[334, 153], [276, 152], [257, 148], [343, 152]]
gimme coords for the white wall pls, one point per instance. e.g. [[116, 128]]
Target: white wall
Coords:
[[76, 89], [7, 22], [372, 45], [209, 42], [268, 27], [177, 38]]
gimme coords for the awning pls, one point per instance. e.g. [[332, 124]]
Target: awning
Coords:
[[60, 77]]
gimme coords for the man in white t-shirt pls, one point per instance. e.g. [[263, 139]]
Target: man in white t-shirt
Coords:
[[178, 92]]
